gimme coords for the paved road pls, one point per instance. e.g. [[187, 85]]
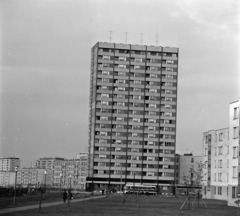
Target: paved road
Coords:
[[22, 208]]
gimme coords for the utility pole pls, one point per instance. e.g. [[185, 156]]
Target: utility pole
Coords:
[[15, 188], [134, 182], [45, 173], [121, 178]]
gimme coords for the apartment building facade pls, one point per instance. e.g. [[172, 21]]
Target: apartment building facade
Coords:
[[216, 156], [7, 179], [9, 163], [133, 112], [34, 177], [221, 152], [47, 162], [234, 168], [70, 173]]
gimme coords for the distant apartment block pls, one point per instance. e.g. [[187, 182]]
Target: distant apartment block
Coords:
[[185, 162], [47, 162], [37, 177], [9, 163], [82, 155], [70, 173], [221, 152], [7, 179], [133, 112]]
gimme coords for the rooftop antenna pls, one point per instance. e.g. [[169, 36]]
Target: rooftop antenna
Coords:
[[126, 33], [157, 39], [110, 35], [141, 38]]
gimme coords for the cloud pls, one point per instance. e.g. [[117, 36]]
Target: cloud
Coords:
[[219, 16]]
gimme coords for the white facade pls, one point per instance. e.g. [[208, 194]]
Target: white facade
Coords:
[[7, 179], [216, 155], [221, 152], [233, 177]]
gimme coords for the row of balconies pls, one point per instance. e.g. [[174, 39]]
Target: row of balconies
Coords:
[[117, 58], [137, 53]]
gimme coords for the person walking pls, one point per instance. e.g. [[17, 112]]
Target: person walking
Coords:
[[64, 196]]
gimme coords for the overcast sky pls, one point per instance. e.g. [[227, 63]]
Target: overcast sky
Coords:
[[45, 66]]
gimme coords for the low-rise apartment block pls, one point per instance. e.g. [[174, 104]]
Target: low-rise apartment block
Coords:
[[7, 179], [216, 156], [221, 153], [70, 173], [47, 162], [36, 177], [9, 163]]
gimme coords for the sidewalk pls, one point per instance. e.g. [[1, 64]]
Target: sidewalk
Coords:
[[43, 205]]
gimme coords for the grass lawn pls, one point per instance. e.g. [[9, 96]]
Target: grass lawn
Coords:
[[148, 206]]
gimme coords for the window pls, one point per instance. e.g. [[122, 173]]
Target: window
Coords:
[[153, 90], [102, 156], [220, 164], [169, 62], [104, 118], [220, 150], [234, 152], [235, 114], [105, 72], [150, 158], [150, 173], [219, 190], [206, 151], [219, 177], [234, 192], [235, 132], [220, 136], [152, 106], [234, 172], [120, 119], [169, 69], [104, 102]]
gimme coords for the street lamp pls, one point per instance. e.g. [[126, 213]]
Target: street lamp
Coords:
[[134, 182], [45, 173], [14, 200], [121, 178], [60, 179]]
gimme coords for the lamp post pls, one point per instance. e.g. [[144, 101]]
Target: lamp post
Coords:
[[134, 182], [60, 180], [45, 173], [121, 178], [15, 188]]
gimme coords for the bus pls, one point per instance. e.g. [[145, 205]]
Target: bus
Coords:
[[131, 188]]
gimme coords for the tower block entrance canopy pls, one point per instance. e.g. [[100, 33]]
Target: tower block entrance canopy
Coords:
[[132, 115]]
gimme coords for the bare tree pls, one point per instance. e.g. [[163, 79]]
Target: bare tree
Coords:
[[193, 180]]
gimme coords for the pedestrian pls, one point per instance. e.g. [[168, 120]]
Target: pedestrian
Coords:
[[64, 196]]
